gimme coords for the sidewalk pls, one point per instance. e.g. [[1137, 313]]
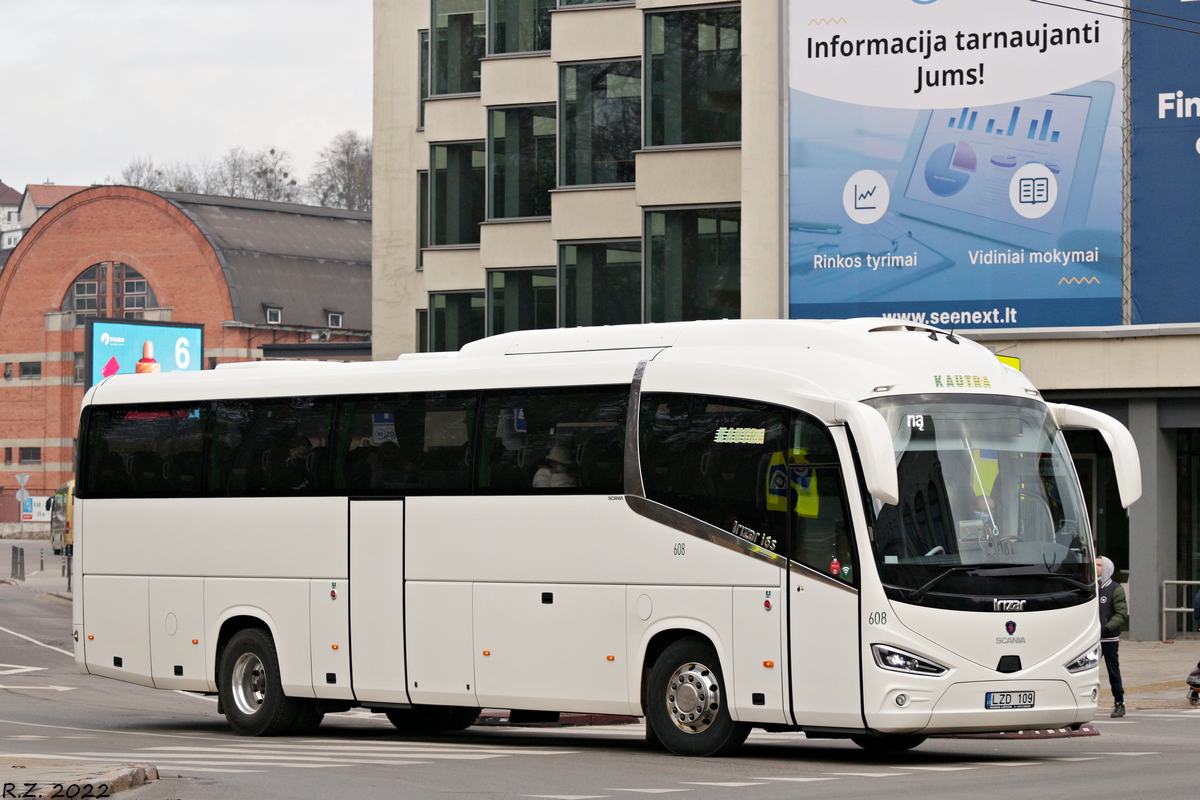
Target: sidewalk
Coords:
[[1153, 673], [42, 778]]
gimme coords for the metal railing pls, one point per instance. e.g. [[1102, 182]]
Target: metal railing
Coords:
[[1176, 609]]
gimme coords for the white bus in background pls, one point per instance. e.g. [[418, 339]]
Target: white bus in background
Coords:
[[862, 529]]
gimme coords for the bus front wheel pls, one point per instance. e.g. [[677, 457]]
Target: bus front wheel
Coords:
[[250, 690], [686, 705]]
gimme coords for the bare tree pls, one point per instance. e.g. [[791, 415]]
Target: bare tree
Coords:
[[143, 173], [258, 175], [341, 177]]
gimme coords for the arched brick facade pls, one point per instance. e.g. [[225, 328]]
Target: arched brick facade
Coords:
[[107, 223]]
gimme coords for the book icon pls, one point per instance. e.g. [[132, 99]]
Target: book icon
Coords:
[[1032, 191]]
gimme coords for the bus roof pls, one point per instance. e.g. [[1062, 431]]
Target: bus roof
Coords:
[[835, 359]]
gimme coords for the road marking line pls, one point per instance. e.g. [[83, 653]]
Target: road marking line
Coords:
[[205, 769], [726, 784], [868, 774], [47, 688], [186, 693], [939, 769], [1073, 758], [649, 791], [568, 796], [17, 669], [1123, 754], [795, 780], [1008, 763], [42, 644]]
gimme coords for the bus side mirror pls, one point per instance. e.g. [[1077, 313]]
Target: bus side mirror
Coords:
[[1119, 440], [874, 441], [49, 503]]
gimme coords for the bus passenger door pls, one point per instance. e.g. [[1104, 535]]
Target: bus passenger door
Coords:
[[823, 613], [377, 600], [823, 639]]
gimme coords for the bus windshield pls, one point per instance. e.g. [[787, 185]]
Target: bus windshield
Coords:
[[990, 507]]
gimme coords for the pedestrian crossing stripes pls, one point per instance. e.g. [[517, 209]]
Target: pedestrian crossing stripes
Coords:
[[306, 754]]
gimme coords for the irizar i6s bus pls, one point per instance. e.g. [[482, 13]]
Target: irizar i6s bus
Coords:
[[857, 529]]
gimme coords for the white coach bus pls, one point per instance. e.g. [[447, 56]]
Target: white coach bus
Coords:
[[859, 529]]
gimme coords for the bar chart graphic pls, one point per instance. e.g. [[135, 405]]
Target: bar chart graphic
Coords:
[[1038, 129]]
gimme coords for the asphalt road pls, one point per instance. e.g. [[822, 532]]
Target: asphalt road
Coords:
[[49, 711]]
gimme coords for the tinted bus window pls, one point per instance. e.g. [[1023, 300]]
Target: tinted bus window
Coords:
[[276, 446], [144, 451], [399, 444], [553, 440], [712, 459]]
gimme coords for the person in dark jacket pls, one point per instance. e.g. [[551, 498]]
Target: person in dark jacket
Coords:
[[1114, 613]]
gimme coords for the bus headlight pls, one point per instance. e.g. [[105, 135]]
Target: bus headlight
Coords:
[[1089, 660], [900, 661]]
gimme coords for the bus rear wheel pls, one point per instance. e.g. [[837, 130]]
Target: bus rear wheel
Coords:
[[685, 702], [887, 744], [432, 719], [250, 689]]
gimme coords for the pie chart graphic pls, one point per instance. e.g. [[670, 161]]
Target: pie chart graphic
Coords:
[[949, 168]]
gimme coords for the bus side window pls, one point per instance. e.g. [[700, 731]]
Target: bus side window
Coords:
[[263, 447], [713, 458], [402, 444], [553, 440], [147, 450]]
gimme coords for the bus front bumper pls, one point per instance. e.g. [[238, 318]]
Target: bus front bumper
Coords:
[[962, 707]]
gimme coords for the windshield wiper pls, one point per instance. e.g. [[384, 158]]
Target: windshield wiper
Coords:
[[916, 595]]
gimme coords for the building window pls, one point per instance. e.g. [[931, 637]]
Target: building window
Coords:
[[8, 455], [519, 26], [600, 283], [423, 70], [587, 2], [601, 122], [274, 315], [455, 318], [693, 264], [422, 330], [422, 216], [694, 91], [109, 285], [521, 144], [31, 370], [78, 368], [457, 189], [333, 319], [30, 455], [457, 45], [521, 300]]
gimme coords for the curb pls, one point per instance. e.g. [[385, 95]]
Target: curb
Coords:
[[127, 776]]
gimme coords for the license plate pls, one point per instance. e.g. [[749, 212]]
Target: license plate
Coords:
[[1008, 700]]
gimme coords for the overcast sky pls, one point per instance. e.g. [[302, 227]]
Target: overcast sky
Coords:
[[86, 86]]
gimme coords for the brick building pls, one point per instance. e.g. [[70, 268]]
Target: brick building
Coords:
[[254, 273]]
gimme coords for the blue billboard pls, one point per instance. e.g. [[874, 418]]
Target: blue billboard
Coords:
[[955, 163], [1164, 81], [137, 347]]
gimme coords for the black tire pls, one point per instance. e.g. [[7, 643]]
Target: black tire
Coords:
[[56, 550], [249, 687], [308, 717], [432, 719], [686, 704], [887, 744]]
